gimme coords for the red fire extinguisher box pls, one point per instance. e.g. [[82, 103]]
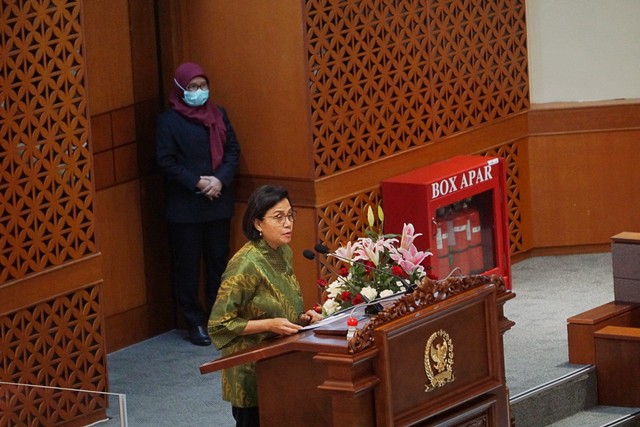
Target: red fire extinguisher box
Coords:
[[459, 206]]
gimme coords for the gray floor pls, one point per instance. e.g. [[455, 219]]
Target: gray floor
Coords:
[[163, 386]]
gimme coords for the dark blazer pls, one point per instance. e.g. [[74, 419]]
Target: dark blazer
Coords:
[[182, 154]]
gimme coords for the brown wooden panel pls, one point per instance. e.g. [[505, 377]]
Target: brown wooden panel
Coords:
[[120, 241], [108, 53], [143, 48], [123, 125], [305, 373], [101, 135], [48, 284], [584, 116], [138, 324], [583, 187], [126, 162], [104, 170], [617, 361], [469, 332], [581, 328], [146, 116]]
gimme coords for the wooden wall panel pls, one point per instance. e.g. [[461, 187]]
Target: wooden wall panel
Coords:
[[125, 103], [254, 54], [584, 187], [120, 240], [387, 77], [108, 55], [145, 73], [584, 177]]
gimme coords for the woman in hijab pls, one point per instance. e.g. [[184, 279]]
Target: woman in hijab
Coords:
[[198, 155]]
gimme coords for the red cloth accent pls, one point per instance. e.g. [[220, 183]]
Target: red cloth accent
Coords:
[[207, 114]]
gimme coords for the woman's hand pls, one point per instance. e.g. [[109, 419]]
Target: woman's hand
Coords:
[[210, 186], [282, 326], [277, 325], [310, 317]]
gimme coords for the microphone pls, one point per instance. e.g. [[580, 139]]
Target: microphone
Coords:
[[320, 248], [371, 308]]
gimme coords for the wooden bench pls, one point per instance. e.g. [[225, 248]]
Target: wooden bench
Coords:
[[617, 363], [608, 336], [582, 327]]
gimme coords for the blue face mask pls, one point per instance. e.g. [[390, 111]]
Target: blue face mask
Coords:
[[194, 98]]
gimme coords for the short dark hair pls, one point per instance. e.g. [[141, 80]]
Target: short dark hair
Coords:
[[260, 201]]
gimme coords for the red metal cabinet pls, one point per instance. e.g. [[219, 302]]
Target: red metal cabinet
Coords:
[[459, 205]]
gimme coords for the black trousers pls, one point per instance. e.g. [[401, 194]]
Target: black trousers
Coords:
[[191, 244], [246, 417]]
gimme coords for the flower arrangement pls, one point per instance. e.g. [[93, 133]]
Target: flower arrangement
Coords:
[[375, 266]]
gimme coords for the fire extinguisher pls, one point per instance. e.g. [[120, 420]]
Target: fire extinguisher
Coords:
[[440, 244], [457, 225], [474, 239]]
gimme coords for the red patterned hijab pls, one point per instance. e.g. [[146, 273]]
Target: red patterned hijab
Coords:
[[207, 114]]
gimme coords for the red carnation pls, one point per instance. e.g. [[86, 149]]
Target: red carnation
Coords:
[[345, 296], [369, 266], [322, 283], [344, 271], [397, 271]]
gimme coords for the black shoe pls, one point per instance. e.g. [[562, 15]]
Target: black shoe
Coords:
[[198, 336]]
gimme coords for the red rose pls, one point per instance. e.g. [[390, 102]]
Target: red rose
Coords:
[[345, 296], [322, 283], [344, 271], [317, 308], [357, 300]]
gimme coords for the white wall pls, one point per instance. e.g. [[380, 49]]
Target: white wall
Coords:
[[583, 50]]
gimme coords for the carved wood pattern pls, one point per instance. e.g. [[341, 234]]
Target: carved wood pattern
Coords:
[[429, 292], [345, 221], [58, 343], [46, 215], [509, 152], [46, 206], [388, 76]]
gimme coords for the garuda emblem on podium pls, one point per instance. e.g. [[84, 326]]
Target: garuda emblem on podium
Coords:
[[438, 360]]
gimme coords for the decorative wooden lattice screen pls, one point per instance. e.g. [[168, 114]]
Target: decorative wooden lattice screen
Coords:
[[46, 215], [53, 344], [389, 76], [46, 212]]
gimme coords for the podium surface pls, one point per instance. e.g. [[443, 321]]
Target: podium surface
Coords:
[[433, 357]]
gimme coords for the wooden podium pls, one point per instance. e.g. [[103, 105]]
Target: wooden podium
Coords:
[[432, 357]]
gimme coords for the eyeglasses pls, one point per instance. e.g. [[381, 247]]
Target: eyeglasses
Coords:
[[192, 87], [280, 217]]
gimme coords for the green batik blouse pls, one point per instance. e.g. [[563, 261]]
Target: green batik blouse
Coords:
[[258, 284]]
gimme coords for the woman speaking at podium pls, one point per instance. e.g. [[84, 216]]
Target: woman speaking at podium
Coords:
[[259, 297]]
